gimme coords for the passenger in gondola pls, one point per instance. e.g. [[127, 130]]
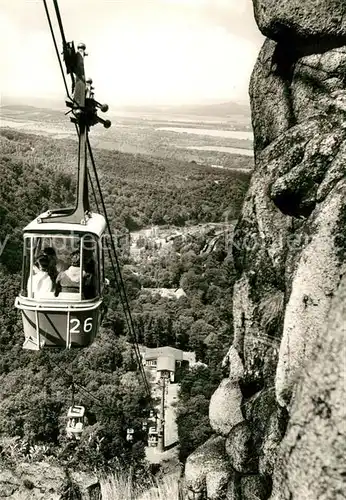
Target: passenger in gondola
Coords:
[[89, 288], [69, 280], [42, 283], [52, 263], [79, 426]]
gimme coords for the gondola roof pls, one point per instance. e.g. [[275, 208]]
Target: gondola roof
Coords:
[[96, 224]]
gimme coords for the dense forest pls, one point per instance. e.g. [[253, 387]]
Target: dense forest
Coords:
[[36, 388]]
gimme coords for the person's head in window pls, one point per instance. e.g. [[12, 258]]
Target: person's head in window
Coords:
[[41, 281], [75, 259], [90, 266], [42, 263], [69, 280], [52, 262], [51, 254], [89, 283]]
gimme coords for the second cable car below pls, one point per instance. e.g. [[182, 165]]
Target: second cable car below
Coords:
[[63, 266], [75, 422]]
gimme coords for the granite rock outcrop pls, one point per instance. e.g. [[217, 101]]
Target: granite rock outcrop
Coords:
[[287, 356]]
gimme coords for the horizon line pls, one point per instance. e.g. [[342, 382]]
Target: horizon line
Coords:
[[54, 101]]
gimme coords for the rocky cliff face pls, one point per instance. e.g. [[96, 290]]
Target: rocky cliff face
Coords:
[[45, 481], [279, 417]]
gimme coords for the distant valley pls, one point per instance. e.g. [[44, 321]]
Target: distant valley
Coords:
[[217, 135]]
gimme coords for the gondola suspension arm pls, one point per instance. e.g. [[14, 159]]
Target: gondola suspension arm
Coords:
[[83, 107]]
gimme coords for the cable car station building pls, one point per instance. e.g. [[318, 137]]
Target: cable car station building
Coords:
[[162, 361]]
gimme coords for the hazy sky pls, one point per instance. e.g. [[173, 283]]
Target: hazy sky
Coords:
[[140, 51]]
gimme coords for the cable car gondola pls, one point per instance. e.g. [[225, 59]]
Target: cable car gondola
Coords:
[[75, 422], [129, 435], [66, 312], [63, 266]]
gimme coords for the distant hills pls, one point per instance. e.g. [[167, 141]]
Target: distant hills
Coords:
[[22, 108], [222, 109], [32, 101], [22, 112], [226, 109]]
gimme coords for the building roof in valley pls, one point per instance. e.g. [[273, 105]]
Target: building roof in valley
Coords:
[[169, 293], [165, 363], [149, 353]]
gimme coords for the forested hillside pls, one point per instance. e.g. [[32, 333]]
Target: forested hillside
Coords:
[[35, 388], [139, 190]]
